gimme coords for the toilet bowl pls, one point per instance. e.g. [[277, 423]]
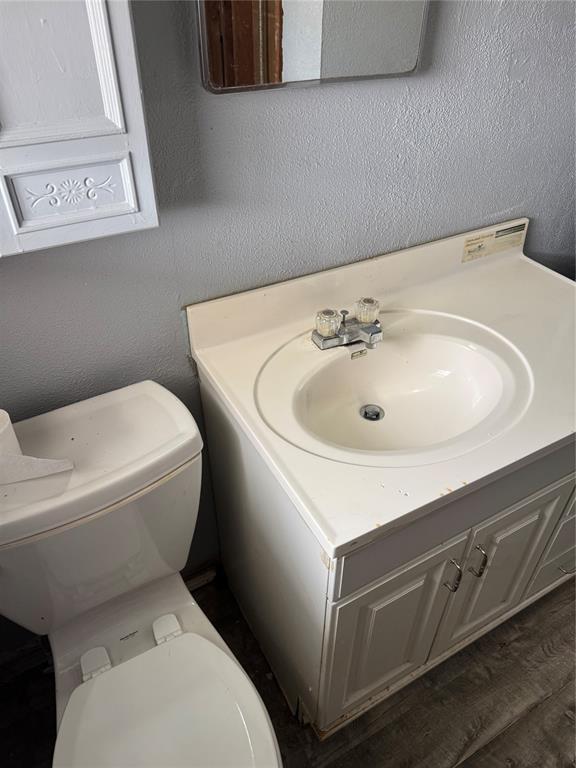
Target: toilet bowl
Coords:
[[92, 557]]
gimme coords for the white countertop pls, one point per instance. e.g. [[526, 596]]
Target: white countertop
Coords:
[[347, 505]]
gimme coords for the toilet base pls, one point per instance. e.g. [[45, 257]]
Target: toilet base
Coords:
[[124, 627]]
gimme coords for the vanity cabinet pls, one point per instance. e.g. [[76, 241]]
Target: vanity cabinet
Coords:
[[380, 638], [559, 558], [501, 557], [385, 633], [343, 633], [363, 554], [74, 162]]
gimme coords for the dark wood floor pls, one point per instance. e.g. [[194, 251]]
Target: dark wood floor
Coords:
[[507, 701]]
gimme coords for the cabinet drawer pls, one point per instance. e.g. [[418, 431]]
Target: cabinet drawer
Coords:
[[563, 540], [553, 571]]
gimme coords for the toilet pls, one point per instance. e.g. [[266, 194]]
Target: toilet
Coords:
[[91, 557]]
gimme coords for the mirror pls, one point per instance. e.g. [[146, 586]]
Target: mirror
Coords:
[[249, 44]]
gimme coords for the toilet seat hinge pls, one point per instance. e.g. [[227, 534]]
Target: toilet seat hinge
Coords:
[[94, 662], [166, 628]]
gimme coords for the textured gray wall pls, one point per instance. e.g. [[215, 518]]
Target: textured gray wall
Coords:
[[259, 187]]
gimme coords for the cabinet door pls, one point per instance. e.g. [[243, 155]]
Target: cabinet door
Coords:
[[74, 161], [384, 634], [559, 559], [501, 558]]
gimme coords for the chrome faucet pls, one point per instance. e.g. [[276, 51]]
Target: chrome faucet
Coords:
[[336, 329]]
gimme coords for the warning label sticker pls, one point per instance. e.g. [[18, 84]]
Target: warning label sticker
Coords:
[[493, 242]]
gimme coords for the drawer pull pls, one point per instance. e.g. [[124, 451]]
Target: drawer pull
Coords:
[[478, 573], [568, 573], [454, 587]]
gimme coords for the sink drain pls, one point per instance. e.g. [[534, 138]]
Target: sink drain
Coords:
[[372, 412]]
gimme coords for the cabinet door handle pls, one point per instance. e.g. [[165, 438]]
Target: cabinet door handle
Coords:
[[568, 573], [454, 587], [478, 573]]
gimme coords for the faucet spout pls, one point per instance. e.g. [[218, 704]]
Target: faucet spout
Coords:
[[370, 334]]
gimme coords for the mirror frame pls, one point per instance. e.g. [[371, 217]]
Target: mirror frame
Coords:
[[205, 71]]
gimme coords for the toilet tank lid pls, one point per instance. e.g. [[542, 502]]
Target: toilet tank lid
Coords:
[[120, 443]]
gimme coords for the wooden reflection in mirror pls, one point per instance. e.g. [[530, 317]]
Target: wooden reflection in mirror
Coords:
[[244, 42]]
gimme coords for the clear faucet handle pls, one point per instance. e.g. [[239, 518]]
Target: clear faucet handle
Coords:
[[367, 310], [328, 322]]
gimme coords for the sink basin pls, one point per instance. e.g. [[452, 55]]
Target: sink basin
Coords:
[[437, 386]]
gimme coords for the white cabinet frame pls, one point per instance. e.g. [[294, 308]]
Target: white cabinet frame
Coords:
[[87, 175]]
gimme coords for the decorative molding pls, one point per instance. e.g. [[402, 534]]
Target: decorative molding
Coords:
[[82, 129], [105, 64], [53, 196], [70, 191]]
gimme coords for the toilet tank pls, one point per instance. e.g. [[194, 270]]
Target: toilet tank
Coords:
[[124, 516]]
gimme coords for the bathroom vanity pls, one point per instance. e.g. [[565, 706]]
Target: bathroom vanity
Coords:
[[363, 552]]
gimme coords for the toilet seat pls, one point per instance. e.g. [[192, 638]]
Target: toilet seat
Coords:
[[182, 703]]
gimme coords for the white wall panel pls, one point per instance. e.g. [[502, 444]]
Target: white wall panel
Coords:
[[68, 164]]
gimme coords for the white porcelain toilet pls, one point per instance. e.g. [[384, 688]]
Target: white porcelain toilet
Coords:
[[92, 558]]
